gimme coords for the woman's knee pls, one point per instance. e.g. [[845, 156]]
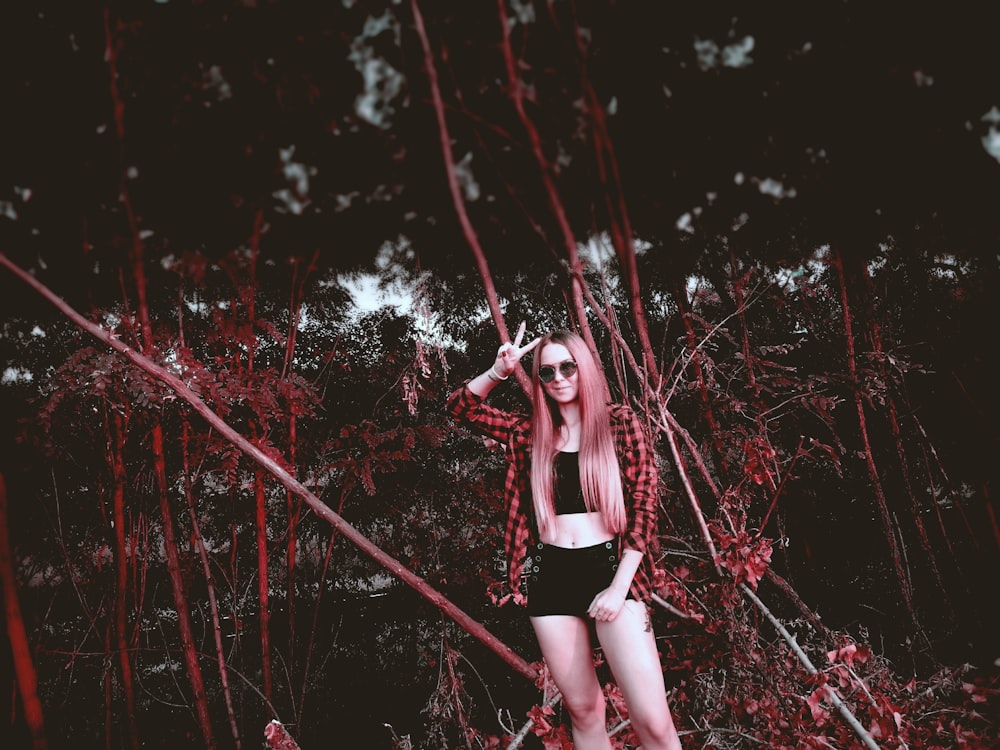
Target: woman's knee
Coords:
[[654, 727], [586, 710]]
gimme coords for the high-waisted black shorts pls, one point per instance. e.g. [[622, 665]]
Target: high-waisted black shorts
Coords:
[[565, 580]]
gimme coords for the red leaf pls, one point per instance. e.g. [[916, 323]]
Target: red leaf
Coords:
[[815, 700]]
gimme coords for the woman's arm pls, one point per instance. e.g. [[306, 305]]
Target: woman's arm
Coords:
[[482, 384], [639, 477], [469, 408], [468, 402]]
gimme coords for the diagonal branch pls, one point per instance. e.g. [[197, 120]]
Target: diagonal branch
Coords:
[[394, 566], [556, 204], [471, 236], [803, 658]]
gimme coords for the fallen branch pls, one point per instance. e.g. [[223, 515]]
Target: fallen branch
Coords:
[[831, 694], [394, 566]]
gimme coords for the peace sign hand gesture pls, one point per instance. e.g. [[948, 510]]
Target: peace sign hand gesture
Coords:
[[509, 354]]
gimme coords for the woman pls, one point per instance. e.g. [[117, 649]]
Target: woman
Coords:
[[581, 498]]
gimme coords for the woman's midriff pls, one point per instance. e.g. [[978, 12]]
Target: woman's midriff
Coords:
[[577, 530]]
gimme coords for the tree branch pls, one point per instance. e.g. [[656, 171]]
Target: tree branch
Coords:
[[471, 237]]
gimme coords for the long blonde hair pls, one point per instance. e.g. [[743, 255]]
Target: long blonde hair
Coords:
[[600, 476]]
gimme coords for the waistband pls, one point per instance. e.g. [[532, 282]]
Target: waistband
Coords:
[[610, 544]]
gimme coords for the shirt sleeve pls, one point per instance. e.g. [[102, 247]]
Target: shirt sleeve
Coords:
[[639, 479], [473, 411]]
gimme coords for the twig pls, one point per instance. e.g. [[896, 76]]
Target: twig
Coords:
[[620, 727], [670, 607], [721, 730], [523, 731], [486, 689], [686, 360], [864, 687]]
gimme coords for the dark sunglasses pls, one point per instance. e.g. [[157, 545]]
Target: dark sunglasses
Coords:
[[547, 373]]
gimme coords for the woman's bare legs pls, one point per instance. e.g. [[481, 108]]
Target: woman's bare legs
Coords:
[[630, 648], [565, 644]]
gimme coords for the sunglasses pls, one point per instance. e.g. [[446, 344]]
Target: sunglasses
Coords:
[[547, 373]]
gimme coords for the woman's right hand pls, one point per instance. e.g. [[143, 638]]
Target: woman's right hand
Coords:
[[510, 353]]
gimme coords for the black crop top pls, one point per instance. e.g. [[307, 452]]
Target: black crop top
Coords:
[[568, 492]]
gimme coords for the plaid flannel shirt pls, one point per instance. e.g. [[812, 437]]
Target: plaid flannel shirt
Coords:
[[639, 479]]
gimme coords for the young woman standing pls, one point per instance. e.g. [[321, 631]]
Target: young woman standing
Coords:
[[581, 527]]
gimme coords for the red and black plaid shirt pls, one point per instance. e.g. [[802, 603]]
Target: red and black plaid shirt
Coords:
[[639, 478]]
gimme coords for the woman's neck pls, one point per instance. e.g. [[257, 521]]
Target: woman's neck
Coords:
[[570, 414], [569, 431]]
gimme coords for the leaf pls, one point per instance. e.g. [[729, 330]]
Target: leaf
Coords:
[[815, 703]]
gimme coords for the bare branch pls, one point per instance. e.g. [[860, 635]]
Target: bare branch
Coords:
[[803, 658]]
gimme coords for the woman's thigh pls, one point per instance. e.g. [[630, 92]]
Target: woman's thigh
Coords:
[[629, 646], [566, 646]]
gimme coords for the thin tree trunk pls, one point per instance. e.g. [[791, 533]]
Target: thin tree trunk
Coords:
[[136, 252], [139, 534], [781, 485], [667, 424], [293, 508], [213, 605], [292, 503], [991, 514], [468, 231], [618, 217], [875, 333], [748, 359], [172, 552], [248, 296], [108, 680], [316, 609], [263, 595], [881, 503], [617, 355], [171, 548], [24, 667], [708, 413], [929, 451], [116, 448]]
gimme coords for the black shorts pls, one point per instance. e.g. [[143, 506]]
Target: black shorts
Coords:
[[565, 580]]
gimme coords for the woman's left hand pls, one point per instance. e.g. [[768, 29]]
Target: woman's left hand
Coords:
[[607, 604]]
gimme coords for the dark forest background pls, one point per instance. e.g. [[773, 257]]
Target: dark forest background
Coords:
[[249, 248]]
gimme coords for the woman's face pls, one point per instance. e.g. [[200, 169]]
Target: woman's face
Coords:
[[563, 388]]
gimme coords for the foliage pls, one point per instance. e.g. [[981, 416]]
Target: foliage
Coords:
[[395, 468]]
